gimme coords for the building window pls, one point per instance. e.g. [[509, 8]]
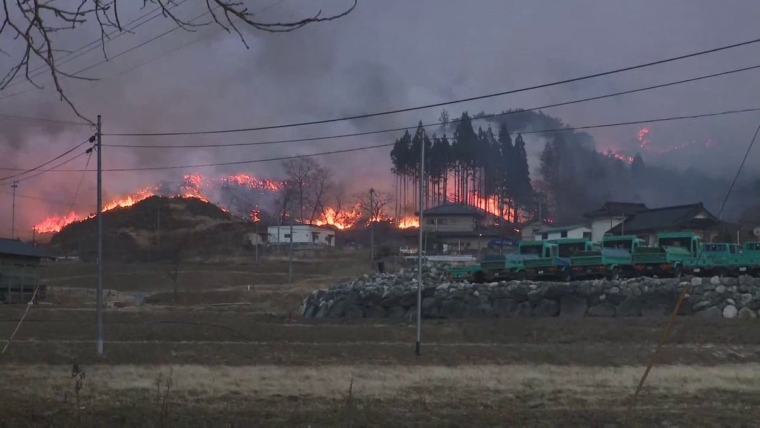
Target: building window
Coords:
[[563, 234], [431, 221], [544, 236], [586, 235], [442, 221], [287, 235]]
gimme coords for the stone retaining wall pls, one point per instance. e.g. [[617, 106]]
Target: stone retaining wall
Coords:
[[394, 296]]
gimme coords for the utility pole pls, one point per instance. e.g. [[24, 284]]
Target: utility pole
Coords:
[[290, 258], [99, 299], [158, 225], [371, 226], [419, 252], [13, 212]]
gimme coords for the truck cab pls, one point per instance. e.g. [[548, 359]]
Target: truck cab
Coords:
[[569, 246], [625, 242], [546, 264], [723, 258], [612, 260]]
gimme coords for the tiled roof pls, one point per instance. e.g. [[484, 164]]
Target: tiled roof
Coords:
[[17, 248], [663, 218], [612, 208]]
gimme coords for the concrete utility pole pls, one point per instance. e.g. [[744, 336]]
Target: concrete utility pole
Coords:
[[290, 258], [419, 252], [13, 212], [99, 298], [371, 226]]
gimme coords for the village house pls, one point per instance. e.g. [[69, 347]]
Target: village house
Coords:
[[21, 271], [610, 215], [648, 223], [543, 232], [457, 228], [302, 234]]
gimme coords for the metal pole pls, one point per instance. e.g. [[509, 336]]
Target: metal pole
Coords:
[[290, 258], [99, 299], [419, 252], [257, 238], [13, 213], [371, 225]]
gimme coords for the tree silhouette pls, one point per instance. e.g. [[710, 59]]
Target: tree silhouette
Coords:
[[31, 27]]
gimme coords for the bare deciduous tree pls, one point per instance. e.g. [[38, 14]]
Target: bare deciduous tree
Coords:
[[321, 183], [310, 182], [374, 206], [34, 23]]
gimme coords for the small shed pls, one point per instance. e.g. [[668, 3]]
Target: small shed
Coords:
[[21, 271]]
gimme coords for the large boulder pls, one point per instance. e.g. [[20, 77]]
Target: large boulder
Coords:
[[630, 307], [606, 310], [546, 308], [572, 306]]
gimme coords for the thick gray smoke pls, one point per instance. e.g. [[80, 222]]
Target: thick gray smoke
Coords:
[[384, 55]]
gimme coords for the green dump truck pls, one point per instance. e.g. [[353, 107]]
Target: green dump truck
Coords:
[[512, 266], [612, 260], [547, 266], [726, 259], [674, 252]]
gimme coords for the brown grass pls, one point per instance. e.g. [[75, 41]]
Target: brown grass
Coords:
[[441, 384]]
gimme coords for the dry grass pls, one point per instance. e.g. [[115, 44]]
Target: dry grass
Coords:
[[441, 384]]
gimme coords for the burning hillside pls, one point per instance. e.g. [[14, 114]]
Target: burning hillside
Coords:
[[242, 195]]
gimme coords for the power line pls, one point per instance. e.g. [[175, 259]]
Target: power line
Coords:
[[94, 44], [42, 119], [54, 168], [120, 53], [575, 128], [445, 103], [196, 40], [752, 143], [493, 115], [48, 162], [81, 179], [37, 198], [329, 137]]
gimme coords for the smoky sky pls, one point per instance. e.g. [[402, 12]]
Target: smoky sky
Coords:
[[386, 54]]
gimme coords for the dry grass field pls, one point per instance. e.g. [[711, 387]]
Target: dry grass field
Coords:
[[220, 354]]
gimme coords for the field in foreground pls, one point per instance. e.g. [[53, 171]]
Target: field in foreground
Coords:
[[249, 369], [221, 354]]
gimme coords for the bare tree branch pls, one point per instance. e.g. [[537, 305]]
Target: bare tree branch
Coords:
[[31, 23]]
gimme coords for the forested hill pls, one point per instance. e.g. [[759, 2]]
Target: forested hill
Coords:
[[482, 160]]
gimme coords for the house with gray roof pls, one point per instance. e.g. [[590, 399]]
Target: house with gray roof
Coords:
[[647, 224], [460, 228], [611, 214], [21, 271]]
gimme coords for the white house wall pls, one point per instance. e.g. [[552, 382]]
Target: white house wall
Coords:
[[576, 233], [601, 226], [301, 235]]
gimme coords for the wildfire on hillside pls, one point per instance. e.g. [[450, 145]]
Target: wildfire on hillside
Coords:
[[197, 186]]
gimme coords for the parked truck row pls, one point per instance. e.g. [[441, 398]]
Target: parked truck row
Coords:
[[674, 255]]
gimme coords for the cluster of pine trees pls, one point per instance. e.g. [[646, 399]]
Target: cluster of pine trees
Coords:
[[472, 167]]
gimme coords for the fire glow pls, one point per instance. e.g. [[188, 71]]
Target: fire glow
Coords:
[[196, 186]]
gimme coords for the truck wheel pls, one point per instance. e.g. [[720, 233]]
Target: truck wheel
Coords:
[[479, 277], [521, 276], [567, 276], [614, 274], [678, 271]]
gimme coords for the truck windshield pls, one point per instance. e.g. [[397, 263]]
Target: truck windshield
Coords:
[[567, 250], [534, 250], [676, 242]]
